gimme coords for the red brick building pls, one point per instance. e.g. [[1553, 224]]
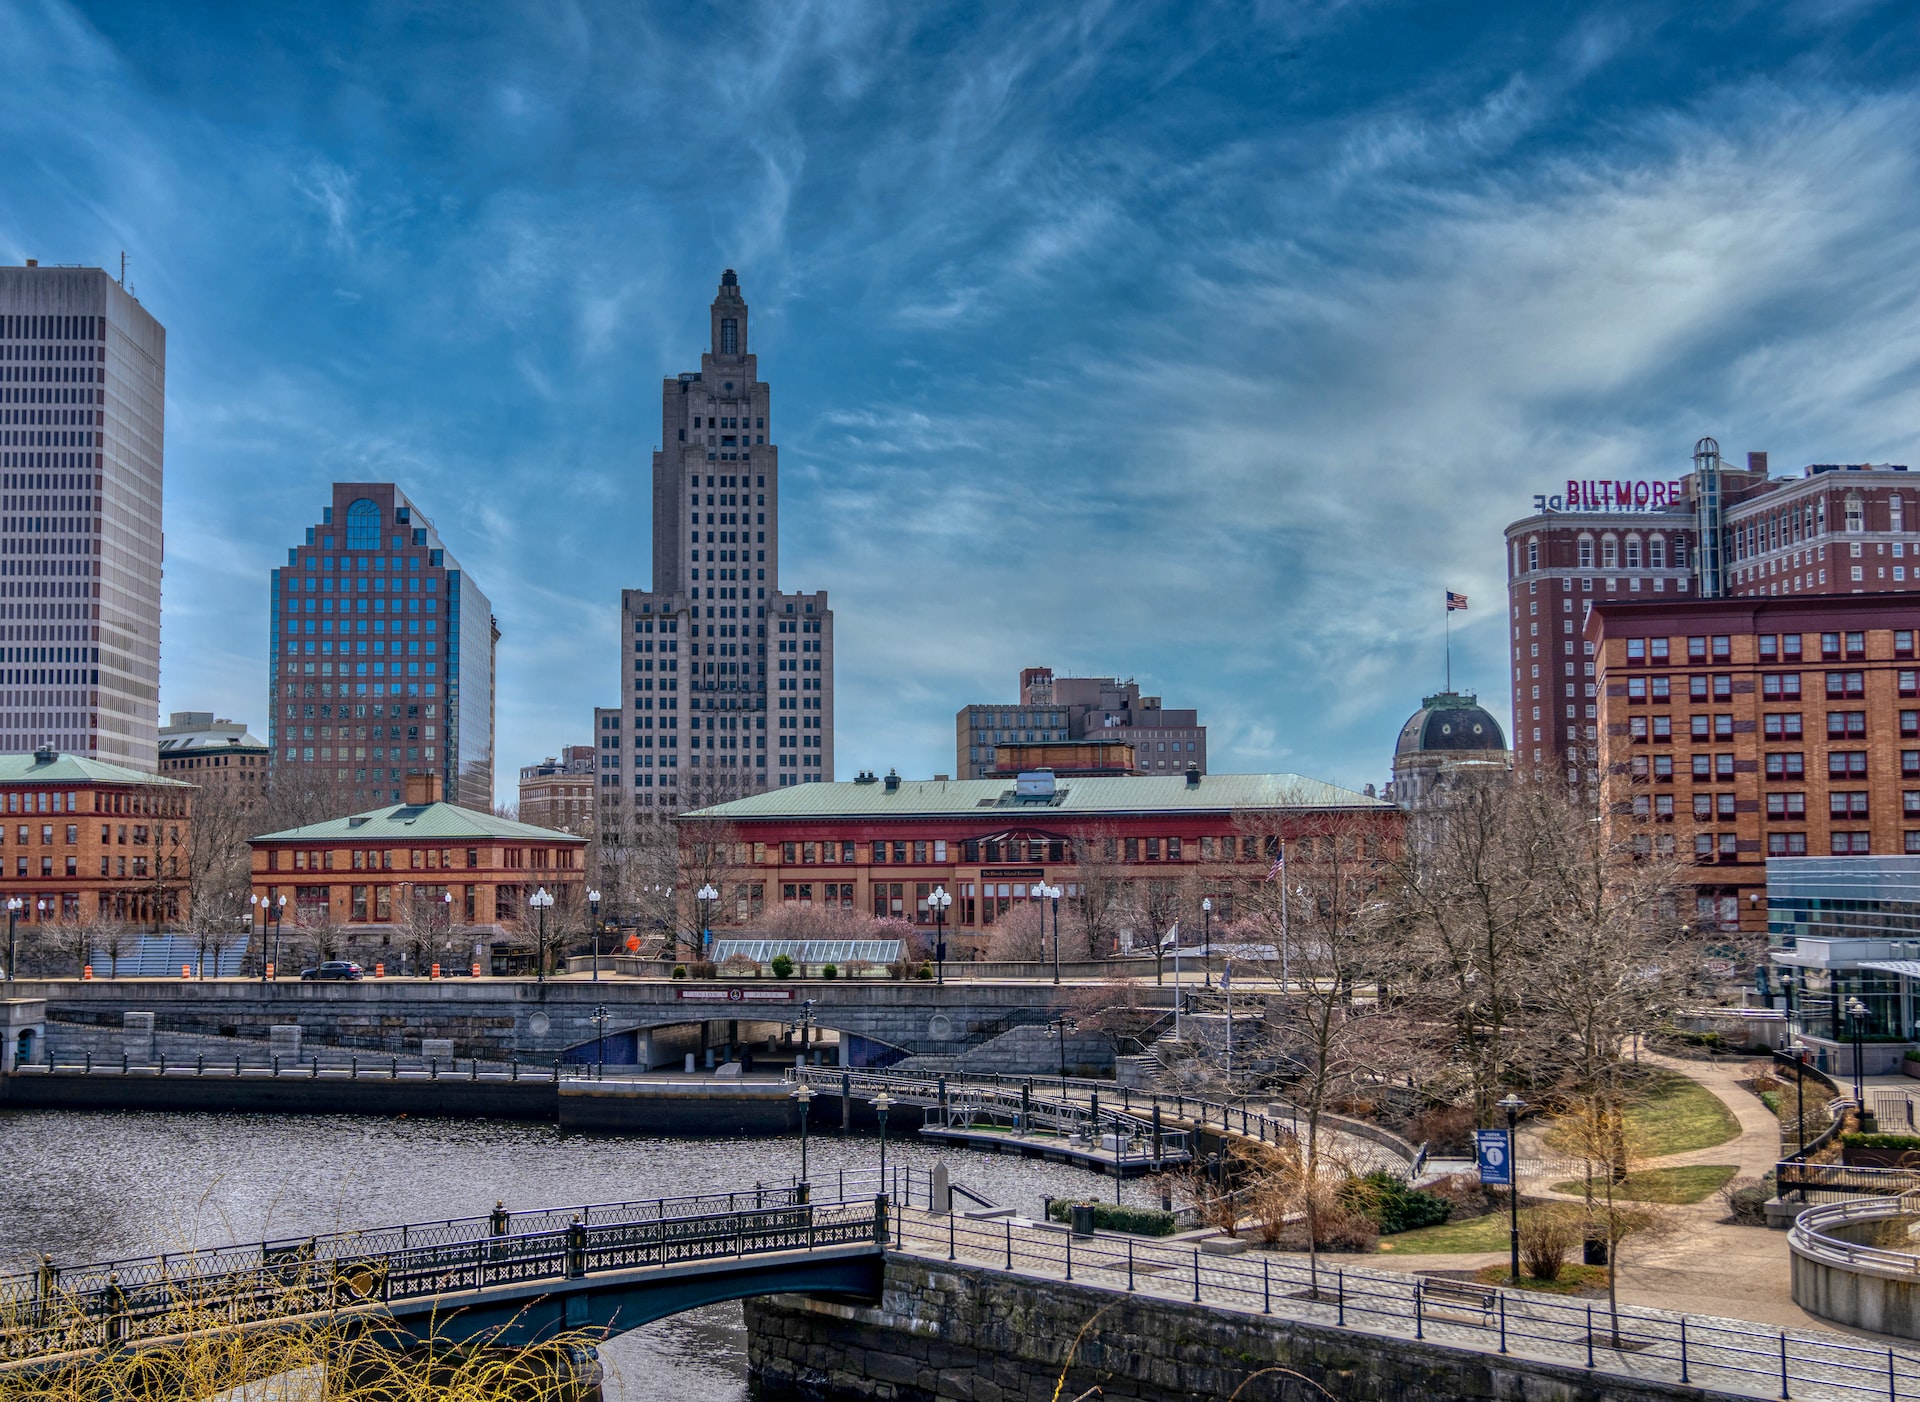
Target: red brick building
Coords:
[[883, 845], [1715, 532], [1732, 730]]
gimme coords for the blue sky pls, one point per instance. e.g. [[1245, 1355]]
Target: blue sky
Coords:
[[1206, 344]]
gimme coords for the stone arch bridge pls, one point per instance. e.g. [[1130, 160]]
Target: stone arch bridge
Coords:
[[528, 1020]]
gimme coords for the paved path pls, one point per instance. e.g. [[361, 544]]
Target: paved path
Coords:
[[1737, 1271]]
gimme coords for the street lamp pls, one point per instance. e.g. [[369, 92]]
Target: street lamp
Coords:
[[1051, 893], [1857, 1013], [938, 901], [1173, 940], [883, 1103], [706, 895], [593, 904], [1206, 935], [540, 900], [1061, 1025], [600, 1042], [1513, 1105], [14, 906], [805, 1096], [278, 906]]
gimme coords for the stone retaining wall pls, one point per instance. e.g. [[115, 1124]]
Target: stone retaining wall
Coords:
[[958, 1332]]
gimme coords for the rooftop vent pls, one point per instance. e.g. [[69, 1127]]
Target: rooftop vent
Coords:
[[865, 776], [893, 781], [358, 820], [1193, 776], [1034, 783], [46, 754]]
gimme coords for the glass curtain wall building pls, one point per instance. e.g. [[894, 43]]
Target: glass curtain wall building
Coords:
[[382, 652], [1846, 928]]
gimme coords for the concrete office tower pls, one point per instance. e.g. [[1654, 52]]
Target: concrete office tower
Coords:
[[727, 681], [83, 378], [382, 654]]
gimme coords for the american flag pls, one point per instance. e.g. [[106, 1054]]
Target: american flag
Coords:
[[1456, 601], [1279, 867]]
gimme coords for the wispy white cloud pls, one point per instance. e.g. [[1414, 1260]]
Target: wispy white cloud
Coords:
[[1201, 343]]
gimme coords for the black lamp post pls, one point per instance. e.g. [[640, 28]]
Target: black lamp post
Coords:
[[540, 900], [1062, 1025], [14, 906], [939, 900], [1513, 1105], [1052, 893], [600, 1023], [805, 1096], [883, 1103], [1857, 1014], [1206, 936], [593, 905]]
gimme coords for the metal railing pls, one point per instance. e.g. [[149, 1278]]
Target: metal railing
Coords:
[[1791, 1175], [1137, 1106], [1110, 1133], [310, 1067], [56, 1309], [1809, 1236], [1635, 1342]]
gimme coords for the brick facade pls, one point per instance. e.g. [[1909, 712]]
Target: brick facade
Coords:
[[1736, 729]]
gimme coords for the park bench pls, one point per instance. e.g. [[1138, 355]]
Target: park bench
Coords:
[[1472, 1303]]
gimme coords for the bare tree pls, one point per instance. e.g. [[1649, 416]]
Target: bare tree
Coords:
[[1103, 905]]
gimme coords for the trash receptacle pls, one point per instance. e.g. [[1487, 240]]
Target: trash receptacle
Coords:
[[1083, 1219], [1593, 1252]]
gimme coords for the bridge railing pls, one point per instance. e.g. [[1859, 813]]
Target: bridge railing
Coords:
[[53, 1308], [1135, 1108], [1113, 1132], [1634, 1342]]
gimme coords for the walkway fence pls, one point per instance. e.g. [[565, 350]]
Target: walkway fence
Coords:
[[1637, 1343]]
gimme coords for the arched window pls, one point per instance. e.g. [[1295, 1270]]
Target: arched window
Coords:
[[1586, 552], [1533, 553], [729, 336], [1855, 514], [1609, 552], [1896, 509], [1657, 552], [363, 525], [1633, 552]]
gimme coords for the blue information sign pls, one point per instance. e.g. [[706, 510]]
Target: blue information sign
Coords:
[[1496, 1164]]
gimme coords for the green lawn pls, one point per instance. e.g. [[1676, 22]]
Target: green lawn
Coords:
[[1696, 1183], [1674, 1116], [1573, 1278], [1488, 1233]]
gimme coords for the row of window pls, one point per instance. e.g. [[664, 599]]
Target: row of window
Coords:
[[1774, 726], [415, 859], [1774, 686], [1781, 807], [109, 866], [1770, 647]]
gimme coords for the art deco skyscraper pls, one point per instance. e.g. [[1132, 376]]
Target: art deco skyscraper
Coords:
[[727, 681], [83, 376]]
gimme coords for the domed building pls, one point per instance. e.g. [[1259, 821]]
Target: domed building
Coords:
[[1450, 734]]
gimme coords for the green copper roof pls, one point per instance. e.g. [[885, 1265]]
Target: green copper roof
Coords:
[[74, 769], [1072, 794], [414, 821]]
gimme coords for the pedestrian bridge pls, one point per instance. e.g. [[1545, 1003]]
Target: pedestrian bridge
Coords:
[[505, 1279]]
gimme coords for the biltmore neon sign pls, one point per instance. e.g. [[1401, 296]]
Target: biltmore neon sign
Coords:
[[1635, 495]]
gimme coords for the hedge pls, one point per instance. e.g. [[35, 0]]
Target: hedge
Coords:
[[1881, 1141], [1111, 1217], [1392, 1204]]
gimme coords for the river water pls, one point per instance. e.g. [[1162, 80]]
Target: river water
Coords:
[[91, 1186]]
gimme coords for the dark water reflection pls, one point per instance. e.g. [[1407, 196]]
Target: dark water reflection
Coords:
[[94, 1186]]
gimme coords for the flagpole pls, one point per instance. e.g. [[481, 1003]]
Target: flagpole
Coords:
[[1449, 607]]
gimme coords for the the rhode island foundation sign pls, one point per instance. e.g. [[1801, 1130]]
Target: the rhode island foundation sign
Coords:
[[734, 995]]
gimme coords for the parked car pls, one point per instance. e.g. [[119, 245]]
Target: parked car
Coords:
[[332, 969]]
